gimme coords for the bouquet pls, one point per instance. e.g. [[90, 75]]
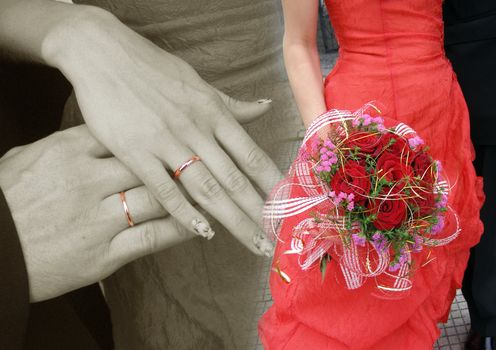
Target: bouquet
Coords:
[[374, 196]]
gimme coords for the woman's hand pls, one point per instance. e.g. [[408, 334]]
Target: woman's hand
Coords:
[[64, 198], [154, 112]]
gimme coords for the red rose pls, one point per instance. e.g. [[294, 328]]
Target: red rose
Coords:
[[353, 178], [423, 167], [391, 143], [426, 205], [392, 168], [364, 141], [391, 212]]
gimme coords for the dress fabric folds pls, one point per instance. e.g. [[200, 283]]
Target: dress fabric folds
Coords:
[[391, 52]]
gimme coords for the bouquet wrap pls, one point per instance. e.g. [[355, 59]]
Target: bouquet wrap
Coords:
[[373, 197]]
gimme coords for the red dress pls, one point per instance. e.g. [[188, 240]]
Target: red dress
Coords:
[[390, 51]]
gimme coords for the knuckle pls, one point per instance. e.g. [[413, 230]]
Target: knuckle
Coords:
[[148, 238], [177, 207], [14, 150], [240, 222], [167, 191], [150, 201], [180, 229], [236, 182], [210, 188], [60, 138], [256, 159]]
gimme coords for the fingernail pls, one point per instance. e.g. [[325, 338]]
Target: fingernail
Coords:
[[211, 234], [264, 100], [202, 228], [268, 250], [269, 253]]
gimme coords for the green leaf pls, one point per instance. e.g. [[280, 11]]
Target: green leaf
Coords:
[[323, 265]]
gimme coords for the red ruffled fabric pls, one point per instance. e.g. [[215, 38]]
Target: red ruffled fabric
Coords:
[[391, 52]]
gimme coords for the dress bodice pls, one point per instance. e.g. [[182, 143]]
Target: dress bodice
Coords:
[[406, 31], [390, 51]]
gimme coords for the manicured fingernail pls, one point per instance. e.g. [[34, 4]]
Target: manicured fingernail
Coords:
[[269, 253], [264, 100], [211, 234], [202, 228], [268, 250]]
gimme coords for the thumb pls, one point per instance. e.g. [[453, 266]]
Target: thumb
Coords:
[[245, 112]]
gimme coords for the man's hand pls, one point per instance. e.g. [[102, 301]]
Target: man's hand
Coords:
[[63, 192]]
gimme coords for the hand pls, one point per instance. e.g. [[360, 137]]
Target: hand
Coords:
[[153, 112], [64, 198]]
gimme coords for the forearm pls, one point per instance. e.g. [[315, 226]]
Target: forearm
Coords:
[[303, 68], [43, 31], [26, 25]]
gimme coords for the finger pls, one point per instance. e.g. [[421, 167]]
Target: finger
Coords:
[[210, 195], [147, 238], [155, 177], [113, 176], [234, 182], [250, 158], [86, 141], [137, 205], [245, 112]]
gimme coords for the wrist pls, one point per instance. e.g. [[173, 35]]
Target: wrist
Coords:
[[82, 31]]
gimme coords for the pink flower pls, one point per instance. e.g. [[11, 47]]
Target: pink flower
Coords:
[[439, 226], [394, 267], [359, 240], [342, 195], [415, 141], [378, 120], [443, 202], [379, 242], [329, 144], [418, 240]]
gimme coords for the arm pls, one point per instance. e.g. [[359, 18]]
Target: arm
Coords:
[[28, 28], [301, 57]]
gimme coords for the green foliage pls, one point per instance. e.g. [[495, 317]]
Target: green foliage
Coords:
[[323, 264]]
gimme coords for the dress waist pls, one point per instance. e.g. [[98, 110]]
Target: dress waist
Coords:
[[393, 48]]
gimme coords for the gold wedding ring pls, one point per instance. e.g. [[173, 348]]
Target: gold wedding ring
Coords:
[[186, 164], [129, 219]]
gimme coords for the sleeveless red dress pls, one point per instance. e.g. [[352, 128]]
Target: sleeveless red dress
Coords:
[[391, 51]]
